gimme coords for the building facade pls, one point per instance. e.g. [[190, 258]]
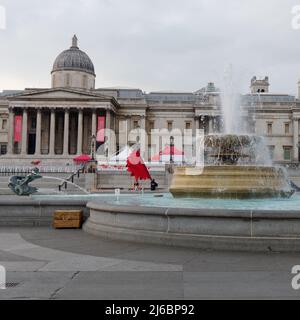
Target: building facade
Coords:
[[57, 123]]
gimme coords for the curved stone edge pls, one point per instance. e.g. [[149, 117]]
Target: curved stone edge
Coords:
[[170, 211], [213, 229], [224, 243]]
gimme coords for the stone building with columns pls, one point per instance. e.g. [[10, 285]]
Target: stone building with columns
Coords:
[[59, 123]]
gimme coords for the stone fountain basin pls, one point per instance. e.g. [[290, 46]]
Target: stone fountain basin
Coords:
[[230, 181], [255, 225], [220, 229]]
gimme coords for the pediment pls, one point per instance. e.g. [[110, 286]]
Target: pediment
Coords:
[[59, 94]]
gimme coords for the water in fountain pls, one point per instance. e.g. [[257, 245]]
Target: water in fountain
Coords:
[[63, 180]]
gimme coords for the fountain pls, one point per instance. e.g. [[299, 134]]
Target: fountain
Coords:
[[236, 164], [231, 170]]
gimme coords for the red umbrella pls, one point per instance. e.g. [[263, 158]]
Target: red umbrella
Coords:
[[36, 162], [136, 166], [82, 158]]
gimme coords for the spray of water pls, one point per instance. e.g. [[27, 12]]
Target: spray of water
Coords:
[[233, 122], [63, 180]]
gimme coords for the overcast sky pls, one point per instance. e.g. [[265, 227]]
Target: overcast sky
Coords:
[[153, 44]]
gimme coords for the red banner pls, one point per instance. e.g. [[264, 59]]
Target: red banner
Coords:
[[101, 129], [18, 129]]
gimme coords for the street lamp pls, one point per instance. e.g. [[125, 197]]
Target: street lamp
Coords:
[[93, 146], [171, 150]]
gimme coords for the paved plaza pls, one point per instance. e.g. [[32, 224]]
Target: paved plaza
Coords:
[[43, 263]]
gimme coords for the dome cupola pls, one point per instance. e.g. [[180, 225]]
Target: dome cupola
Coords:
[[73, 68]]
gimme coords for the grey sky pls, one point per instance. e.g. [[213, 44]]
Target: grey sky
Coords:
[[153, 44]]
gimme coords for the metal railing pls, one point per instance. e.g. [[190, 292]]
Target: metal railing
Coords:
[[23, 170], [71, 178]]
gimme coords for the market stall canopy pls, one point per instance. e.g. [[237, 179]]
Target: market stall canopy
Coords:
[[165, 154]]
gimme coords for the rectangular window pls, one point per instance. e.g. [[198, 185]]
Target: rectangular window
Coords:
[[4, 124], [170, 125], [188, 125], [135, 124], [286, 128], [3, 149], [287, 153], [269, 128], [151, 126], [271, 151]]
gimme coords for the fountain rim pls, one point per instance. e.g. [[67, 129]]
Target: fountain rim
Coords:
[[185, 211]]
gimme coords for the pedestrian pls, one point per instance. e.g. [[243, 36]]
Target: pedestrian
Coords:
[[154, 185]]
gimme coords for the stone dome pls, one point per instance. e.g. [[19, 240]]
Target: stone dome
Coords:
[[74, 59]]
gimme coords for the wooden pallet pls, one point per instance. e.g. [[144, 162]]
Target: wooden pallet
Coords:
[[65, 219]]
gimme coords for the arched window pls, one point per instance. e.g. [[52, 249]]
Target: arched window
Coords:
[[262, 90]]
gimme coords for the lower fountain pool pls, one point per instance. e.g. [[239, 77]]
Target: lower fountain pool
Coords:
[[166, 200]]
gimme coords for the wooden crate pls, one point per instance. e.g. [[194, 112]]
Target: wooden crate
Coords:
[[67, 219]]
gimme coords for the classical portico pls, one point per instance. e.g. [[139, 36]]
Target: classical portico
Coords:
[[60, 128]]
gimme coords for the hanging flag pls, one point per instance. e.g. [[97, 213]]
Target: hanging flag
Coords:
[[101, 129], [135, 165], [18, 129]]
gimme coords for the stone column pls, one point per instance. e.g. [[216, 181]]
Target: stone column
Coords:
[[108, 119], [296, 138], [210, 125], [52, 133], [38, 132], [66, 132], [143, 123], [24, 132], [94, 123], [11, 125], [199, 123], [80, 131], [107, 132]]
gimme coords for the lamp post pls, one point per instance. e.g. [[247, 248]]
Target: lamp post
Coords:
[[171, 150], [93, 146]]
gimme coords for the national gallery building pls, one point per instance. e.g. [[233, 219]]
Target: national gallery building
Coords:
[[56, 124]]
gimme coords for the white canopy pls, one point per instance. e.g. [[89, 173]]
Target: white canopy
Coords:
[[122, 155]]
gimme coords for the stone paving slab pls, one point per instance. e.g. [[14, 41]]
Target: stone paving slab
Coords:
[[247, 285], [125, 285], [70, 264]]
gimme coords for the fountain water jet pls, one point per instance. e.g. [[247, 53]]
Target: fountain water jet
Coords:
[[236, 165], [63, 180]]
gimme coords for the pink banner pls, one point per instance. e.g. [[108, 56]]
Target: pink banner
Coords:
[[101, 129], [18, 129]]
